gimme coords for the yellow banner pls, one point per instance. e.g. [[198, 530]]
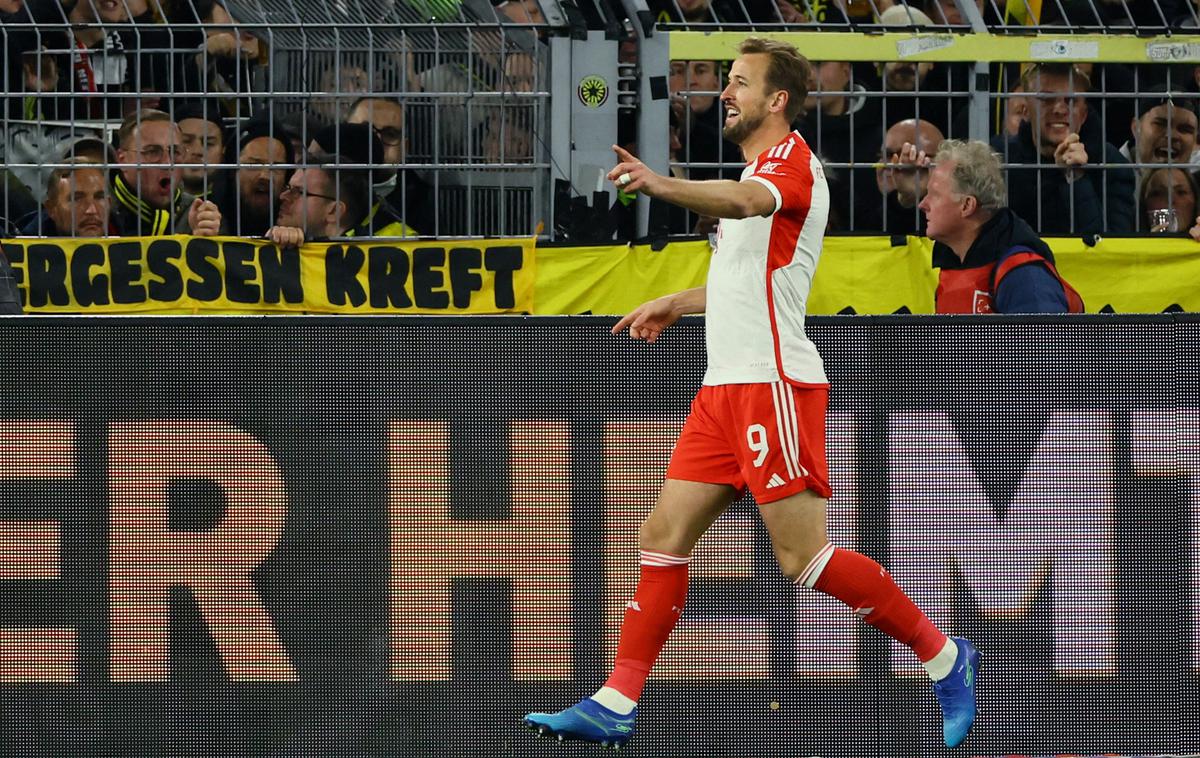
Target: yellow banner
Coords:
[[617, 278], [855, 275], [1147, 275], [862, 275], [231, 275], [1046, 44], [868, 275]]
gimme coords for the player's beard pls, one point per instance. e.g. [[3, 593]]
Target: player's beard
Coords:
[[745, 126]]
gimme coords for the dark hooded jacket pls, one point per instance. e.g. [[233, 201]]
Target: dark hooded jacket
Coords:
[[1102, 199]]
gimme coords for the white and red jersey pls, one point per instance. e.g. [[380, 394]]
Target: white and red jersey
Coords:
[[761, 273]]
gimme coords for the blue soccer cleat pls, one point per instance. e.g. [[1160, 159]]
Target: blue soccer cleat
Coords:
[[586, 721], [956, 694]]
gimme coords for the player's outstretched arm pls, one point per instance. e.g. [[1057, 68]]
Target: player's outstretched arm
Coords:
[[720, 198], [648, 320]]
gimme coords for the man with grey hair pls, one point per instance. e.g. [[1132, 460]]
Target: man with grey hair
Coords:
[[991, 260]]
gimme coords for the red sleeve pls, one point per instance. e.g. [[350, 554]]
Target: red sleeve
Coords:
[[786, 170]]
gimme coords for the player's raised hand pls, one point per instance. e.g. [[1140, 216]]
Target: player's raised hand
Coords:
[[631, 175], [648, 320]]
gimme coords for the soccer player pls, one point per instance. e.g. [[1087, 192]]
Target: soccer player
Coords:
[[758, 422]]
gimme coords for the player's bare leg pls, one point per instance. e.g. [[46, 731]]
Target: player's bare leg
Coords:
[[797, 528], [684, 512]]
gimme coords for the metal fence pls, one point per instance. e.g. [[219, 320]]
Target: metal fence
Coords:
[[1132, 100], [1125, 16], [472, 143], [1137, 121], [464, 155]]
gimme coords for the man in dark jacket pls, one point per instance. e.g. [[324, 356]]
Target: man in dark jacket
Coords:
[[77, 203], [405, 204], [902, 177], [1062, 191], [991, 261], [145, 187], [321, 201], [701, 119], [249, 196], [26, 71]]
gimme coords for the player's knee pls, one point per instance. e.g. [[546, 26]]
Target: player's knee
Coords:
[[655, 533], [664, 535], [794, 560]]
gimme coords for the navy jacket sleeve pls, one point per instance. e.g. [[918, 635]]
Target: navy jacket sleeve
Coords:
[[1030, 288], [1103, 200], [1121, 188]]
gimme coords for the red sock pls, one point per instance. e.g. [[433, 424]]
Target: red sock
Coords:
[[649, 619], [869, 590]]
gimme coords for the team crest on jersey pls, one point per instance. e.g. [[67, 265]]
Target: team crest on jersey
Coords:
[[981, 302], [770, 167]]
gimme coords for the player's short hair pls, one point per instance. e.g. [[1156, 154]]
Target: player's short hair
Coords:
[[788, 70], [976, 171]]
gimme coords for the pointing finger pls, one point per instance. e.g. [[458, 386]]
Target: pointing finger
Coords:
[[624, 322]]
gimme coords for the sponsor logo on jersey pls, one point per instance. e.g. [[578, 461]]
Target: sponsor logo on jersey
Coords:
[[770, 167]]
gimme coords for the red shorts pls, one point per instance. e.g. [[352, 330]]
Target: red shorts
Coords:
[[768, 438]]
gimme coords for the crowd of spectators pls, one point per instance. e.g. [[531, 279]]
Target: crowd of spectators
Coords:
[[177, 88], [360, 154], [1079, 143]]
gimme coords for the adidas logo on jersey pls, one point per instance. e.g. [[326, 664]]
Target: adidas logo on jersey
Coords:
[[776, 481]]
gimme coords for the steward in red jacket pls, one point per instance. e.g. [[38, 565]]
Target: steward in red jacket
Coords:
[[991, 261]]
